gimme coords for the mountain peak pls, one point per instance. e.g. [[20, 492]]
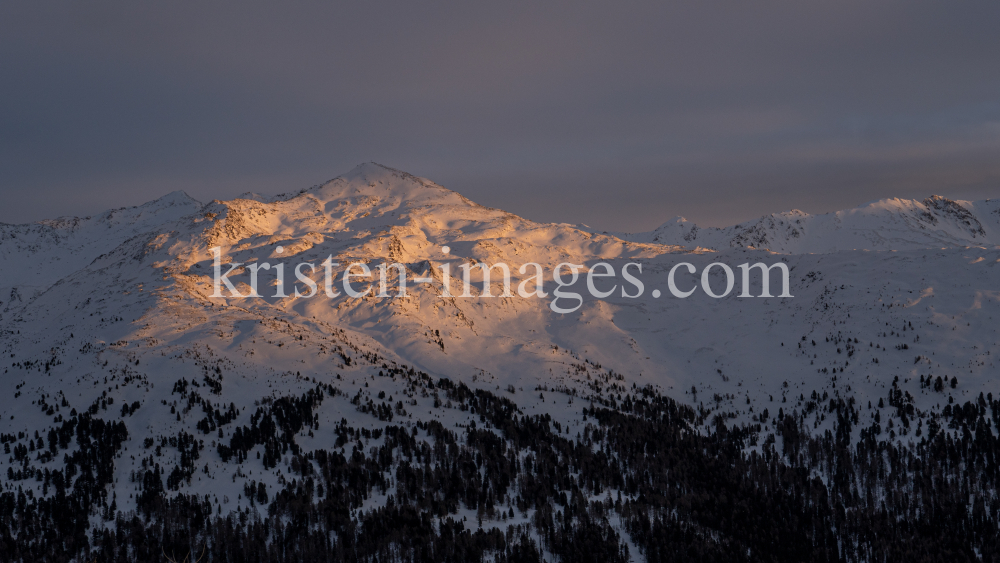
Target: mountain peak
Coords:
[[382, 183], [177, 200], [884, 224], [371, 169], [176, 197], [374, 174]]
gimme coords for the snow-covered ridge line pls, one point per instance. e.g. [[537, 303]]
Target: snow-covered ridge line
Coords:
[[887, 224], [36, 255], [120, 326]]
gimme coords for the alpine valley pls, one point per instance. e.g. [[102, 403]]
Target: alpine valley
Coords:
[[143, 419]]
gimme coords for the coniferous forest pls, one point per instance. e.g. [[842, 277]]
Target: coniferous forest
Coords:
[[645, 480]]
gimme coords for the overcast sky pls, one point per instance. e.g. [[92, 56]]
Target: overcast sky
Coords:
[[615, 114]]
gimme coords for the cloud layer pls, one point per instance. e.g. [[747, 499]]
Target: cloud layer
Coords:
[[618, 115]]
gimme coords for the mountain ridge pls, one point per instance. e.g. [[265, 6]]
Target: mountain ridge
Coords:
[[886, 224], [124, 329]]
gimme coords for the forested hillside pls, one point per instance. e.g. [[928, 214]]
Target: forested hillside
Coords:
[[639, 482]]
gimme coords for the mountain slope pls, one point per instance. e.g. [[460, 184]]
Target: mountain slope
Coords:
[[208, 400], [889, 224], [42, 253]]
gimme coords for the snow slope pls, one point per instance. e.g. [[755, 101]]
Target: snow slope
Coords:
[[114, 310], [36, 255], [888, 224]]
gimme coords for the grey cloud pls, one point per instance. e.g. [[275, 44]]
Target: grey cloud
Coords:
[[619, 115]]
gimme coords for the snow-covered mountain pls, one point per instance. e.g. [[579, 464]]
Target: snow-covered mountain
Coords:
[[36, 255], [114, 315], [888, 224]]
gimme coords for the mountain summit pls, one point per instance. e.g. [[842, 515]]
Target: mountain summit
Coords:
[[145, 415]]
